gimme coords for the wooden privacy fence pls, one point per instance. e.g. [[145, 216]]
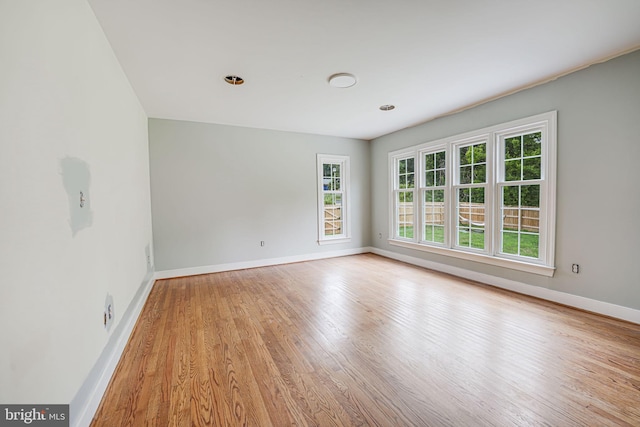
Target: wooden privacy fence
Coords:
[[528, 217], [332, 220]]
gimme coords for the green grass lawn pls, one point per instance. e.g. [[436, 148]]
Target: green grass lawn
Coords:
[[528, 242], [477, 239]]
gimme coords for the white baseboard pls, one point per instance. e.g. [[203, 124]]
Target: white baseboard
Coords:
[[86, 401], [193, 271], [594, 306]]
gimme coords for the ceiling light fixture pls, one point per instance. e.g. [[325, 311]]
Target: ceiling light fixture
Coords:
[[342, 80], [387, 107], [234, 80]]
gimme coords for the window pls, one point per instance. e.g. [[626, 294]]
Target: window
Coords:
[[333, 185], [486, 196], [404, 196], [470, 191], [432, 192], [520, 189]]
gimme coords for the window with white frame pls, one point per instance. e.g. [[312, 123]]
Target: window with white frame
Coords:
[[404, 197], [333, 198], [486, 196], [432, 196]]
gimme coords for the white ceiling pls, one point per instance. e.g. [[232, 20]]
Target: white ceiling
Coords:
[[427, 57]]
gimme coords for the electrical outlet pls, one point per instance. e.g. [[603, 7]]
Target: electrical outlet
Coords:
[[575, 268], [109, 314]]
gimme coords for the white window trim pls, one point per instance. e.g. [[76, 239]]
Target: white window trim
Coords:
[[420, 187], [493, 135], [401, 156], [344, 161]]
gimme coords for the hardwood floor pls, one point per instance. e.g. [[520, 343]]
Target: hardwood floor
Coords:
[[363, 340]]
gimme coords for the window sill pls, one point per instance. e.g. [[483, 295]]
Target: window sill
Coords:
[[334, 241], [542, 270]]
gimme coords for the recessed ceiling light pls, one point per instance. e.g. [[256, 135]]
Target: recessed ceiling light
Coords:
[[234, 80], [342, 80], [387, 107]]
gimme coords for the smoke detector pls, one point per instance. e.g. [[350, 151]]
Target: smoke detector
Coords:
[[342, 80]]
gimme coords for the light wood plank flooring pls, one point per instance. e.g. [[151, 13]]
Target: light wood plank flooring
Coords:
[[363, 340]]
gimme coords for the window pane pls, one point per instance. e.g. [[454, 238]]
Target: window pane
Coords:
[[336, 184], [410, 181], [479, 153], [433, 208], [405, 196], [464, 195], [465, 174], [410, 165], [471, 217], [438, 233], [477, 195], [513, 170], [479, 174], [429, 161], [510, 243], [529, 245], [465, 156], [520, 226], [405, 214], [472, 164], [406, 176], [512, 148], [434, 169], [530, 196], [428, 197], [532, 144], [428, 233], [511, 196], [531, 168], [336, 170], [429, 179], [332, 214]]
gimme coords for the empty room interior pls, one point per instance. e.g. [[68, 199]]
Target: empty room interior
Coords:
[[326, 213]]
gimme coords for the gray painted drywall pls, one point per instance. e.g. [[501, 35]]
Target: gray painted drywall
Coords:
[[76, 179], [217, 191], [598, 200]]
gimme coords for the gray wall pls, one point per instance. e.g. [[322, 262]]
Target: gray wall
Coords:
[[69, 122], [217, 191], [598, 200]]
